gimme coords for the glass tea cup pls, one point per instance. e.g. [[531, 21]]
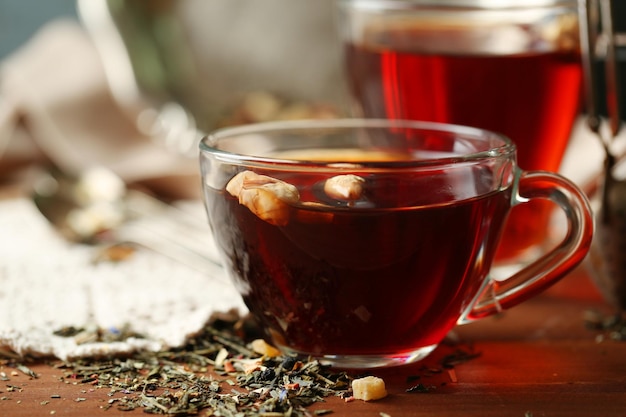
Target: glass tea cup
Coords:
[[363, 242], [511, 66]]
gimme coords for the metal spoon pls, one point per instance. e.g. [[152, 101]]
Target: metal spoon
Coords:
[[97, 208]]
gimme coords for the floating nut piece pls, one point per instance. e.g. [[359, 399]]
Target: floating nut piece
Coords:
[[347, 187], [268, 198], [368, 388]]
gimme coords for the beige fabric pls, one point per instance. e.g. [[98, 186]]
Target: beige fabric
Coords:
[[47, 283]]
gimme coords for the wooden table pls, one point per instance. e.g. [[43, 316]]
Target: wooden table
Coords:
[[538, 359]]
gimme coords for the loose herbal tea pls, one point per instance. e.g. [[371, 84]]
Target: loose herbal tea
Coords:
[[217, 371], [612, 326]]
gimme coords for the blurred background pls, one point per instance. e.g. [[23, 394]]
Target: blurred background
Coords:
[[20, 19], [133, 85], [117, 73]]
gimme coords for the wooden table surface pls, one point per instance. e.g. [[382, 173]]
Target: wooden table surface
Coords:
[[537, 359]]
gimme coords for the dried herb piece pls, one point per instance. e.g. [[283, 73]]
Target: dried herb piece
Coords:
[[611, 326], [26, 370], [420, 388], [458, 357]]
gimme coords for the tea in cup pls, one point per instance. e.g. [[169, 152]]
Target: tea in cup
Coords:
[[510, 66], [364, 242]]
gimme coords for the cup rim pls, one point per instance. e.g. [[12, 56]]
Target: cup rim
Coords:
[[207, 143]]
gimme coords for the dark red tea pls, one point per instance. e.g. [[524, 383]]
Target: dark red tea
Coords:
[[532, 97], [389, 273]]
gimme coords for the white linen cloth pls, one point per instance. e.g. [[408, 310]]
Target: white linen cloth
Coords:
[[47, 283]]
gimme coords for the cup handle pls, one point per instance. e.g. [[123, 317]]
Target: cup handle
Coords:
[[496, 296]]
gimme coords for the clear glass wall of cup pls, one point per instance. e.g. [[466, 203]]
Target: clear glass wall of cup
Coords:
[[511, 66], [363, 242]]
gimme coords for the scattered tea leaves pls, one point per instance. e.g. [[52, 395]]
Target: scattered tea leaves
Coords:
[[92, 334], [447, 363], [611, 327], [421, 388], [221, 371], [217, 372], [458, 357]]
